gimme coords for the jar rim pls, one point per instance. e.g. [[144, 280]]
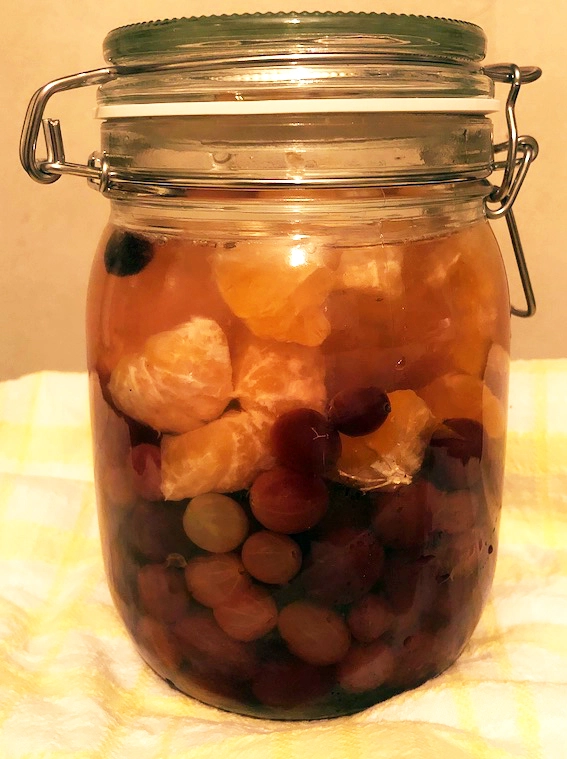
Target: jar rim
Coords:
[[378, 34]]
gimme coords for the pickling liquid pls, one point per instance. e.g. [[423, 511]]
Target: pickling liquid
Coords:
[[299, 448]]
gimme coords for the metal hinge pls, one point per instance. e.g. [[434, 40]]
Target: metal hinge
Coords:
[[520, 151]]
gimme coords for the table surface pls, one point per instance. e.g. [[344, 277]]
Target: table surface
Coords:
[[72, 685]]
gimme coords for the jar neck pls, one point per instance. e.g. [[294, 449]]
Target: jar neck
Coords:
[[394, 214], [341, 149]]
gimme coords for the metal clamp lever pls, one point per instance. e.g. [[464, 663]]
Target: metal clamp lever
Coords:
[[50, 170], [521, 151]]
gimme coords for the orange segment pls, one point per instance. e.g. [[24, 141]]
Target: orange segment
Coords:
[[357, 460], [307, 327], [278, 377], [460, 395], [221, 457], [181, 379], [391, 455], [373, 269], [467, 268], [469, 352], [398, 341], [430, 262], [479, 281], [409, 421], [451, 307], [277, 288]]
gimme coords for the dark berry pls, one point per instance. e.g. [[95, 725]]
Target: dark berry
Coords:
[[359, 412], [162, 592], [348, 507], [141, 433], [146, 463], [343, 565], [153, 531], [206, 646], [126, 254], [303, 440], [400, 580], [402, 518], [454, 454], [370, 618], [288, 682], [463, 438]]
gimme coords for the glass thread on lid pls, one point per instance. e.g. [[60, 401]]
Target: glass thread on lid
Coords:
[[203, 37]]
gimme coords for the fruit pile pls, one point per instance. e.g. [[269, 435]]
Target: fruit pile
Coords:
[[298, 472]]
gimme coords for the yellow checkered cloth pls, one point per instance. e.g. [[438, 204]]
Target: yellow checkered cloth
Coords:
[[71, 684]]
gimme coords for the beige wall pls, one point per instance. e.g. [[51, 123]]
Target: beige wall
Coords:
[[48, 233]]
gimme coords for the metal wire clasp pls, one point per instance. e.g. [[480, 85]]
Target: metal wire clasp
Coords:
[[49, 170], [521, 151]]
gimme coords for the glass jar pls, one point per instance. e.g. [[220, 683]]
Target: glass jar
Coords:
[[298, 345]]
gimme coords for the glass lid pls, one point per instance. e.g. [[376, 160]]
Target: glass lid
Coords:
[[210, 37]]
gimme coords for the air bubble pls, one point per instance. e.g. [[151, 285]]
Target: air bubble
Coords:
[[222, 158]]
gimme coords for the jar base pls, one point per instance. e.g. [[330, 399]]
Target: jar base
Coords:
[[344, 705]]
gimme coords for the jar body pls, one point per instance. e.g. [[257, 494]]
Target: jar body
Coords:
[[299, 412]]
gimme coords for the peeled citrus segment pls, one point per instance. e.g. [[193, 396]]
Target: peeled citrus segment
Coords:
[[274, 377], [356, 464], [278, 289], [373, 269], [391, 455], [307, 327], [180, 380], [395, 342], [433, 260], [467, 268], [220, 457], [478, 284], [257, 279], [469, 352], [461, 395]]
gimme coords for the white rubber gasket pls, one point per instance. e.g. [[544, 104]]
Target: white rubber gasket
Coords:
[[480, 105]]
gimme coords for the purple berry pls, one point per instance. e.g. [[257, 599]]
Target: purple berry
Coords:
[[126, 254], [455, 452], [360, 411], [304, 441]]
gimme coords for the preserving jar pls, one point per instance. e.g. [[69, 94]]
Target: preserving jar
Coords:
[[298, 344]]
